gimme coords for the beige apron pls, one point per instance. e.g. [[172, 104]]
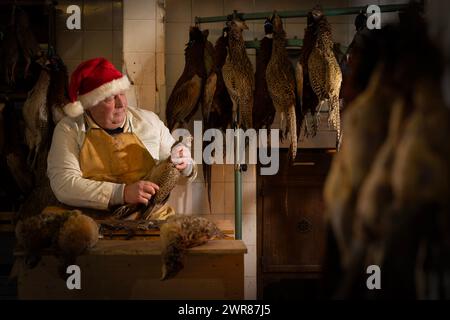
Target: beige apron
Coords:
[[118, 158]]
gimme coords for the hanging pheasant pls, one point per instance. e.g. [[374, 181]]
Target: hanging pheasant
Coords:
[[185, 97], [353, 71], [366, 126], [307, 97], [221, 111], [238, 74], [263, 110], [324, 72], [388, 186], [282, 84], [35, 114], [57, 93]]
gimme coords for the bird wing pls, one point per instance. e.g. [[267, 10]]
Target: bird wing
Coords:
[[299, 80], [208, 95], [318, 73]]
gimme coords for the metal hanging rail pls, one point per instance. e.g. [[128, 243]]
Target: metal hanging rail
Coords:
[[301, 13], [255, 44]]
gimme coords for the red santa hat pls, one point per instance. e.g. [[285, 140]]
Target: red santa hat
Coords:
[[93, 81]]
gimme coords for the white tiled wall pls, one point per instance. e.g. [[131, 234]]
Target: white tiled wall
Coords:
[[144, 48], [100, 34]]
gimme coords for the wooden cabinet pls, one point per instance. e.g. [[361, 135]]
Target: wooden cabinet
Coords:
[[291, 228]]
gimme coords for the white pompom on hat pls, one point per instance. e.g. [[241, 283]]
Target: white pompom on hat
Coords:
[[93, 81]]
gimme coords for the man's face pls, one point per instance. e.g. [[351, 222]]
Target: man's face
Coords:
[[111, 112]]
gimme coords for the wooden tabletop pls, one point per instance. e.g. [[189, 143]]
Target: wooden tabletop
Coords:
[[145, 247]]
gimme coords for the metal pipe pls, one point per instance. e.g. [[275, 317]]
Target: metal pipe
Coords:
[[237, 202], [237, 182], [255, 44], [300, 13]]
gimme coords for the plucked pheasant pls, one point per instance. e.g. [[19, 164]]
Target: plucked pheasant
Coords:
[[281, 83], [238, 74]]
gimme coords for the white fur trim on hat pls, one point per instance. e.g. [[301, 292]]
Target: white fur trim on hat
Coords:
[[74, 109], [104, 91]]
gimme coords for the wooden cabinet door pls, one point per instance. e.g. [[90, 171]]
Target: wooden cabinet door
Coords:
[[291, 226]]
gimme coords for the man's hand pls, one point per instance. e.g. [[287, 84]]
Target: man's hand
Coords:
[[139, 192], [181, 157]]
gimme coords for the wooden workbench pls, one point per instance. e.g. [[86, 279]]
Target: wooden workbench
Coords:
[[131, 269]]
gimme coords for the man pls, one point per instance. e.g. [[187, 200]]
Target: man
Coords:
[[102, 151], [98, 159]]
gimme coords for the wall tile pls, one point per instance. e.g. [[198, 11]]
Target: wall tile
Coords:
[[117, 15], [69, 45], [215, 31], [117, 45], [177, 199], [139, 36], [250, 288], [199, 199], [206, 8], [141, 68], [178, 11], [177, 36], [250, 261], [146, 97], [239, 5], [139, 9], [249, 229], [72, 65], [174, 68], [295, 30], [248, 197], [160, 70], [98, 15], [97, 44], [266, 5], [131, 95]]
